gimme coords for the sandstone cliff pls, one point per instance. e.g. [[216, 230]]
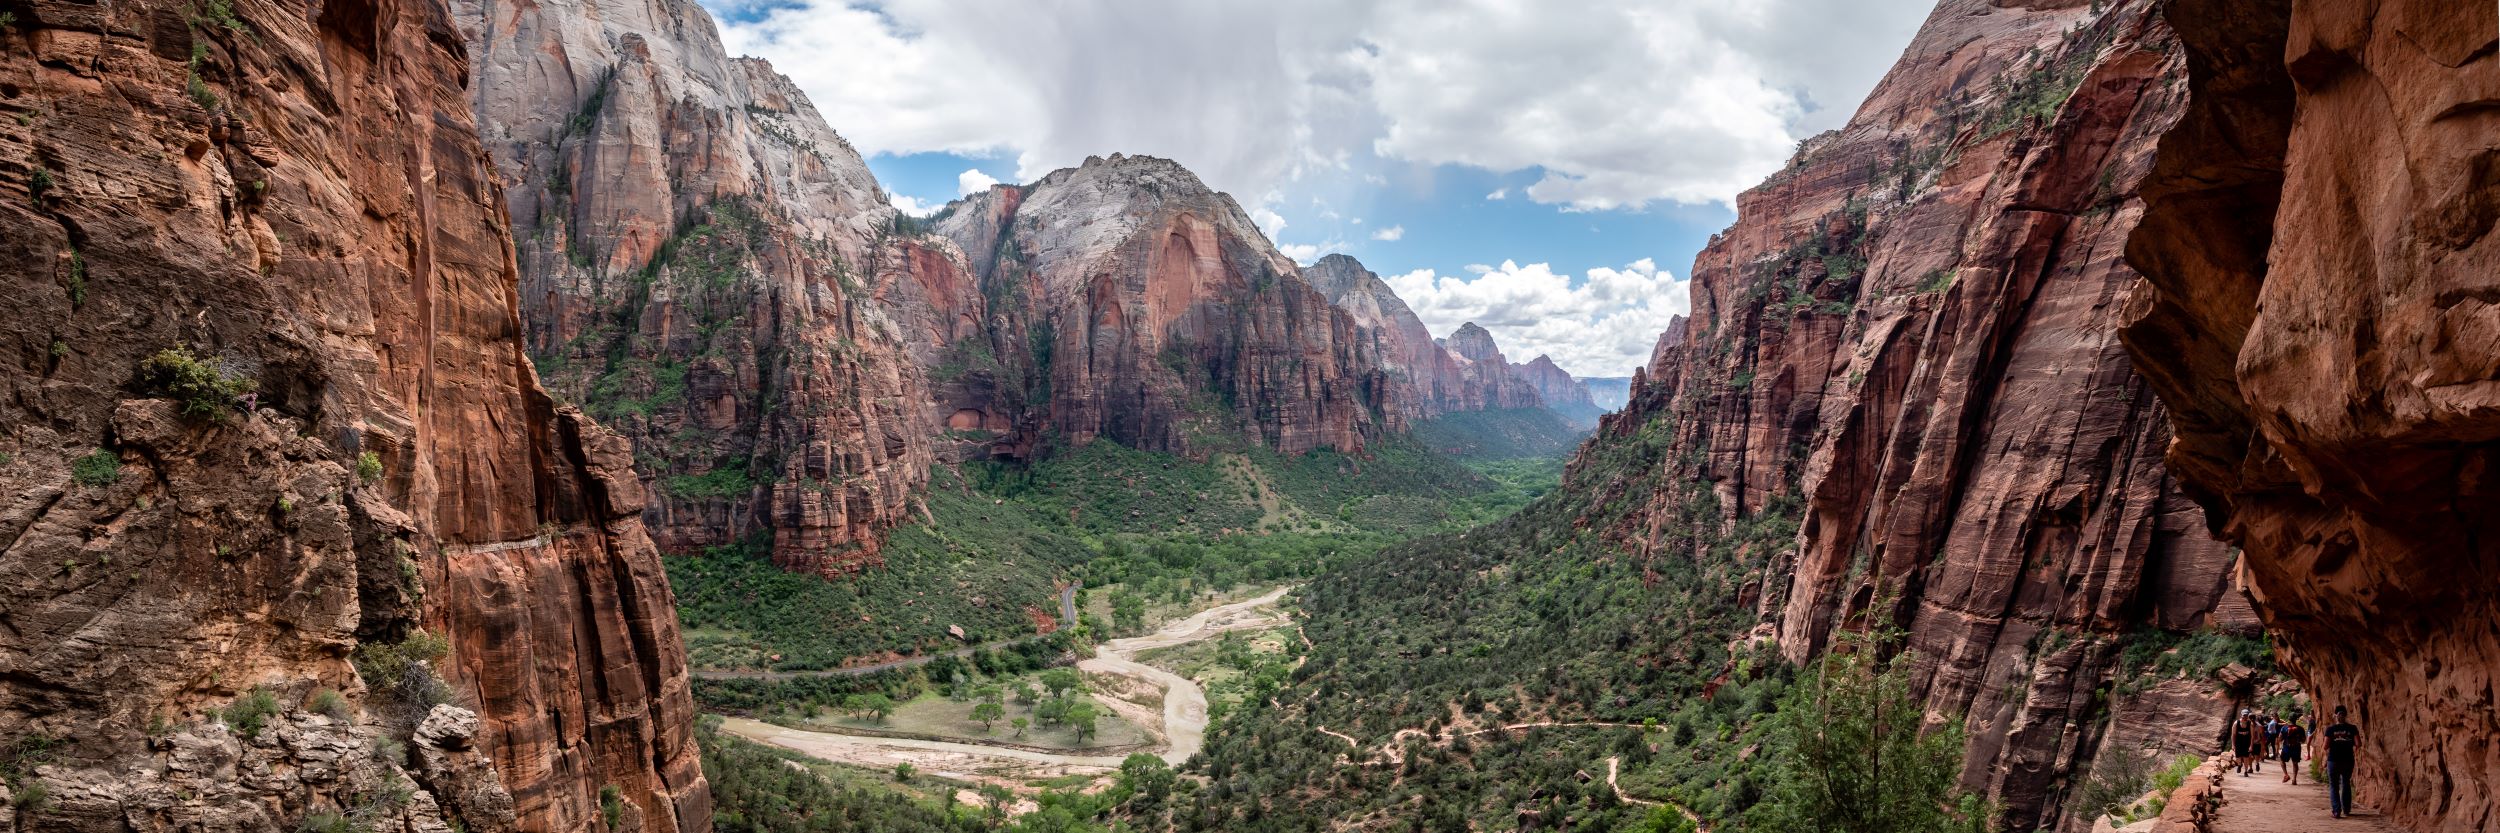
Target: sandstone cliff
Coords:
[[2320, 315], [268, 403], [1907, 348], [697, 251], [1130, 302], [1431, 379], [1555, 387]]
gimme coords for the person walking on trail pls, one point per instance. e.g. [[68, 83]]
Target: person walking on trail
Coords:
[[2341, 738], [2243, 741], [2294, 737]]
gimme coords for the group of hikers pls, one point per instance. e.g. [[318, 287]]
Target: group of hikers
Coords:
[[2257, 737]]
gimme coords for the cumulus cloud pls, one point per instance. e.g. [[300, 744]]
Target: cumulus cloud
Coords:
[[1502, 193], [1302, 253], [1390, 233], [1617, 102], [1270, 222], [912, 206], [973, 181], [1603, 324]]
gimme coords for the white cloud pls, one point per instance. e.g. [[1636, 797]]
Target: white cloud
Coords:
[[973, 181], [1302, 253], [912, 205], [1601, 325], [1270, 222], [1502, 193], [1390, 233], [1617, 102]]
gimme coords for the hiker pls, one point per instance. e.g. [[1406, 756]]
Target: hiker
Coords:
[[2243, 742], [2273, 736], [2294, 737], [2341, 738]]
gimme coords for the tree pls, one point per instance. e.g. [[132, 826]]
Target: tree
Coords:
[[1128, 611], [987, 713], [1020, 723], [995, 799], [1060, 681], [876, 704], [1849, 752], [1080, 714], [1148, 776], [903, 771]]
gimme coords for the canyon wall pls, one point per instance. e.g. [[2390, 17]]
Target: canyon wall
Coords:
[[267, 404], [699, 256], [2321, 313], [1130, 302], [1907, 347], [1555, 387], [1433, 379]]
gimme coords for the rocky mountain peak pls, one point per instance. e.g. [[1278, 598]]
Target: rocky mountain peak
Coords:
[[1474, 343]]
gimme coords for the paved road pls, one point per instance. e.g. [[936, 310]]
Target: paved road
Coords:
[[1067, 618]]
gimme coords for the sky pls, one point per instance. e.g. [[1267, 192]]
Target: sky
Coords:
[[1545, 169]]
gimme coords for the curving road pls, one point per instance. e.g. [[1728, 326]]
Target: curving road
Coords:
[[1184, 703]]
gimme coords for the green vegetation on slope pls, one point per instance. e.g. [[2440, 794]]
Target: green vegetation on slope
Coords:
[[1501, 435], [1001, 537]]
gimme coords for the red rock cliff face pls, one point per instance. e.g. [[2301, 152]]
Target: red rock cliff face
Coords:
[[297, 196], [1427, 379], [2322, 313], [1134, 304], [1907, 346], [697, 250]]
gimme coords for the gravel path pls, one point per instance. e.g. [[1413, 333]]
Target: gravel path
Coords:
[[2264, 804]]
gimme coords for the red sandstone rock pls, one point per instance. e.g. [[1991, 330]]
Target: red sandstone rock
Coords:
[[315, 216], [699, 254], [1139, 306], [1430, 379], [2319, 312], [1908, 343]]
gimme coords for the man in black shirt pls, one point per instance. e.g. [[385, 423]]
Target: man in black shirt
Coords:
[[2341, 738]]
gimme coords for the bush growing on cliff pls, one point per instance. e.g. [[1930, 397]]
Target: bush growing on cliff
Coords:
[[368, 467], [96, 469], [250, 713], [204, 390], [402, 674]]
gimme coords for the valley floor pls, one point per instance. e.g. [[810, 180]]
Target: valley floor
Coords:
[[1180, 731]]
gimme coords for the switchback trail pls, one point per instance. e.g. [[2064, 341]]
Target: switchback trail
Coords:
[[1184, 706]]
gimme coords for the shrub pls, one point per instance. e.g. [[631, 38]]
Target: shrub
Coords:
[[368, 467], [99, 468], [612, 804], [326, 823], [204, 390], [399, 671], [248, 714], [329, 702], [31, 797]]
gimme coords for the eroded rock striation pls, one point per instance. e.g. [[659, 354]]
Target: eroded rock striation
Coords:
[[697, 253], [1127, 301], [1902, 397], [2322, 315], [269, 403]]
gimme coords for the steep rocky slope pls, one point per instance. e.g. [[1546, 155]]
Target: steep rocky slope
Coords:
[[268, 405], [2319, 313], [1907, 347], [1130, 302], [1440, 381], [1555, 387], [697, 248]]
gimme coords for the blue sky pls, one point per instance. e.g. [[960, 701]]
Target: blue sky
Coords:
[[1546, 171]]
